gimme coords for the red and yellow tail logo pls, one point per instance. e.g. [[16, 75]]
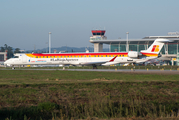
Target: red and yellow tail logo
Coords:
[[155, 48]]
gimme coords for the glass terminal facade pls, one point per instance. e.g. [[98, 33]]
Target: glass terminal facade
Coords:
[[172, 48]]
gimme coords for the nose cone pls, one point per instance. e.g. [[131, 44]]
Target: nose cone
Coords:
[[7, 63]]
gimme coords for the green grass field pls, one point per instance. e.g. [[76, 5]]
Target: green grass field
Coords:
[[58, 95]]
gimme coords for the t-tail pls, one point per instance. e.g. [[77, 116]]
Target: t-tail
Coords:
[[155, 48]]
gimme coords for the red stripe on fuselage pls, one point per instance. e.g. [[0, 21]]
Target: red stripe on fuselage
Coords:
[[72, 54]]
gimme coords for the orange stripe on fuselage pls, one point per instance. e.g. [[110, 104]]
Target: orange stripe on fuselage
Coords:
[[77, 54], [150, 54]]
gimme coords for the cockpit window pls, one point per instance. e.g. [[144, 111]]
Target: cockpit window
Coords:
[[16, 56]]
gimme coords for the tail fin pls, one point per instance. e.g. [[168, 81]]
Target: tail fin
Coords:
[[156, 46]]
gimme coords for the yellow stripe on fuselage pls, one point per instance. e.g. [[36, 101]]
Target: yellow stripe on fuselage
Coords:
[[150, 55], [74, 56], [30, 55]]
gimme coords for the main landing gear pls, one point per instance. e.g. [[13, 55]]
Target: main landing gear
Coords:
[[95, 67]]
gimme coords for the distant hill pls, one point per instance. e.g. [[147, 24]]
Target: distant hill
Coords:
[[66, 49]]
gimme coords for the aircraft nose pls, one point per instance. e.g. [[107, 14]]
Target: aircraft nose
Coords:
[[7, 63]]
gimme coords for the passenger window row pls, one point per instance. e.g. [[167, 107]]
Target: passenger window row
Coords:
[[79, 56]]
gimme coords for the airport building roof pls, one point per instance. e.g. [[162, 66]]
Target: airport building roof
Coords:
[[145, 40]]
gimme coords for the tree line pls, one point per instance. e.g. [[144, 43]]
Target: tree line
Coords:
[[10, 51]]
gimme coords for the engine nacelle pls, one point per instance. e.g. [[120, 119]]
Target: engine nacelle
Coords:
[[133, 54]]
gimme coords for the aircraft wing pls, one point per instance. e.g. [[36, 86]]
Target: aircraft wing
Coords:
[[97, 63], [93, 63], [141, 61]]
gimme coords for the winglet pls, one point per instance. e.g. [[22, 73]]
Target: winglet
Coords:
[[113, 59]]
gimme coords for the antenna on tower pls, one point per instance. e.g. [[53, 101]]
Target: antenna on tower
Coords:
[[100, 27]]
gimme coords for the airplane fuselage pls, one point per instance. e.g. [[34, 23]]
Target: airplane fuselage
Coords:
[[73, 58]]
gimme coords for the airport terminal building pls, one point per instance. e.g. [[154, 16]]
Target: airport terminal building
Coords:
[[3, 57], [169, 52]]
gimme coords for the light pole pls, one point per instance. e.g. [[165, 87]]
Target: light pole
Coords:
[[49, 42], [47, 47], [127, 45], [34, 48]]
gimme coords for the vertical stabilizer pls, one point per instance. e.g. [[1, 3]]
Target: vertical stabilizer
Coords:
[[156, 47]]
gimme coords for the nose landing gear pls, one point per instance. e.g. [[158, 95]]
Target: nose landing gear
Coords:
[[13, 67]]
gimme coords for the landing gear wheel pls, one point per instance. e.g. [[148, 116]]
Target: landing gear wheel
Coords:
[[94, 66]]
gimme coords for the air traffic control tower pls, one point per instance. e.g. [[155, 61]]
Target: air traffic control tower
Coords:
[[98, 35]]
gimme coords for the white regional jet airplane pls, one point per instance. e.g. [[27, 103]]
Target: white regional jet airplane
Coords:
[[94, 59]]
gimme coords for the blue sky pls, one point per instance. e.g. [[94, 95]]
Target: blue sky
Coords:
[[25, 23]]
